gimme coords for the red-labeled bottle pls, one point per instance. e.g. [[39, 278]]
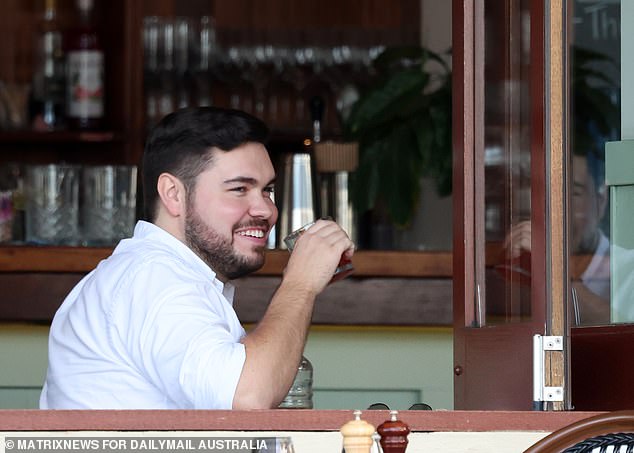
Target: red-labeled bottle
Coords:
[[85, 68]]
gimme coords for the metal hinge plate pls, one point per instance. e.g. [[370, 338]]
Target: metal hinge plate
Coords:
[[542, 344], [553, 343]]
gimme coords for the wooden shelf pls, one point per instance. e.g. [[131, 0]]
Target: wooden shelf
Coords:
[[33, 137], [367, 263]]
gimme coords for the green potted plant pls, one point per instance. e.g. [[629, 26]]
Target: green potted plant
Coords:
[[403, 126]]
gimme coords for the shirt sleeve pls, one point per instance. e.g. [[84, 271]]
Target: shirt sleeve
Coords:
[[188, 343]]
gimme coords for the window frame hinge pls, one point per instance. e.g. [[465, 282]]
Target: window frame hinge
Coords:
[[542, 344]]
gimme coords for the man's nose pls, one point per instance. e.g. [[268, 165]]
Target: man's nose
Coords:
[[263, 207]]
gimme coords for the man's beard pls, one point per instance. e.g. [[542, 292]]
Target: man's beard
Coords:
[[217, 252]]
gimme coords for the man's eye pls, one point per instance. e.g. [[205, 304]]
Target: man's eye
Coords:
[[269, 190], [239, 189]]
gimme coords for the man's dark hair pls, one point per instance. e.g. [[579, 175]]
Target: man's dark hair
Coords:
[[182, 144]]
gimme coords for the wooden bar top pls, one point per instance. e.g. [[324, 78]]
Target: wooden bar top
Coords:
[[368, 263], [280, 420]]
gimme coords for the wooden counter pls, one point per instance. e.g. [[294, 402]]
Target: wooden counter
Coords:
[[310, 431], [281, 420]]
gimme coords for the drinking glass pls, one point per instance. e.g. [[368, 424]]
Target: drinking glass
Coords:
[[345, 265], [6, 216], [109, 203], [277, 445], [52, 204]]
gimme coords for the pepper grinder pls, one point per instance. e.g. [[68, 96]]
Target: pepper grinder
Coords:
[[357, 435], [393, 434]]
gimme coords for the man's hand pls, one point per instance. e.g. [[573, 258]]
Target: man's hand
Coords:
[[518, 241], [274, 348], [316, 255]]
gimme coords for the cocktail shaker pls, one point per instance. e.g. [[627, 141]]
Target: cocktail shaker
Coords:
[[300, 203], [334, 162]]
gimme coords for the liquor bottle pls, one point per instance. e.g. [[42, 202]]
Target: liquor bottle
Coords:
[[47, 95], [84, 72]]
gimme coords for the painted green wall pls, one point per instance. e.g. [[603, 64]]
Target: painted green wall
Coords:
[[22, 364], [354, 366]]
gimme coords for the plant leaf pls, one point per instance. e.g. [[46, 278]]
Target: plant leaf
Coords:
[[383, 104]]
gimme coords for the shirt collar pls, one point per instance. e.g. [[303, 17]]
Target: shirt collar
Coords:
[[149, 231]]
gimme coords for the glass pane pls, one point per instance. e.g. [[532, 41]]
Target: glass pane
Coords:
[[507, 161], [595, 119]]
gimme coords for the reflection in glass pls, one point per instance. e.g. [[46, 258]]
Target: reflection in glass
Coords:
[[507, 161], [595, 119]]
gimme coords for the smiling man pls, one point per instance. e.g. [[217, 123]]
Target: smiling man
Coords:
[[153, 326]]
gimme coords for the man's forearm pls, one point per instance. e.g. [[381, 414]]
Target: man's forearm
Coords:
[[274, 348]]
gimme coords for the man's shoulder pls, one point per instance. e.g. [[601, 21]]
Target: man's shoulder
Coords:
[[144, 257]]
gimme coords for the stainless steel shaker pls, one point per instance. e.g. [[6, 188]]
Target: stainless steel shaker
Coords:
[[334, 162], [300, 203]]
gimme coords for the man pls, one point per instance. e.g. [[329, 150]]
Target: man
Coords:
[[589, 245], [152, 327]]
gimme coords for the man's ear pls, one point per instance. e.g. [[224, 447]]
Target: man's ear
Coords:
[[172, 193]]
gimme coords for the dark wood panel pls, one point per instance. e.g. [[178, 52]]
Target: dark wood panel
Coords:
[[34, 297], [373, 301], [602, 372]]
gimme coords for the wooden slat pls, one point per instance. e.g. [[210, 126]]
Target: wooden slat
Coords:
[[367, 263], [51, 259], [556, 362]]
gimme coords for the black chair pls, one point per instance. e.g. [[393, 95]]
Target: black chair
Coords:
[[615, 429], [413, 407]]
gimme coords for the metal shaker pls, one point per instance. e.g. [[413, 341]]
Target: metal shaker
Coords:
[[334, 162], [299, 203]]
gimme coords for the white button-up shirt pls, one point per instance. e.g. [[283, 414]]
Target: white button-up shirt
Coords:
[[150, 328]]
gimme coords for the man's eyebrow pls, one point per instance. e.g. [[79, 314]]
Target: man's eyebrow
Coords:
[[246, 180], [242, 179]]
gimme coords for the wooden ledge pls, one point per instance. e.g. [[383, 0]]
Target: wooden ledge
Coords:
[[367, 263], [281, 420]]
